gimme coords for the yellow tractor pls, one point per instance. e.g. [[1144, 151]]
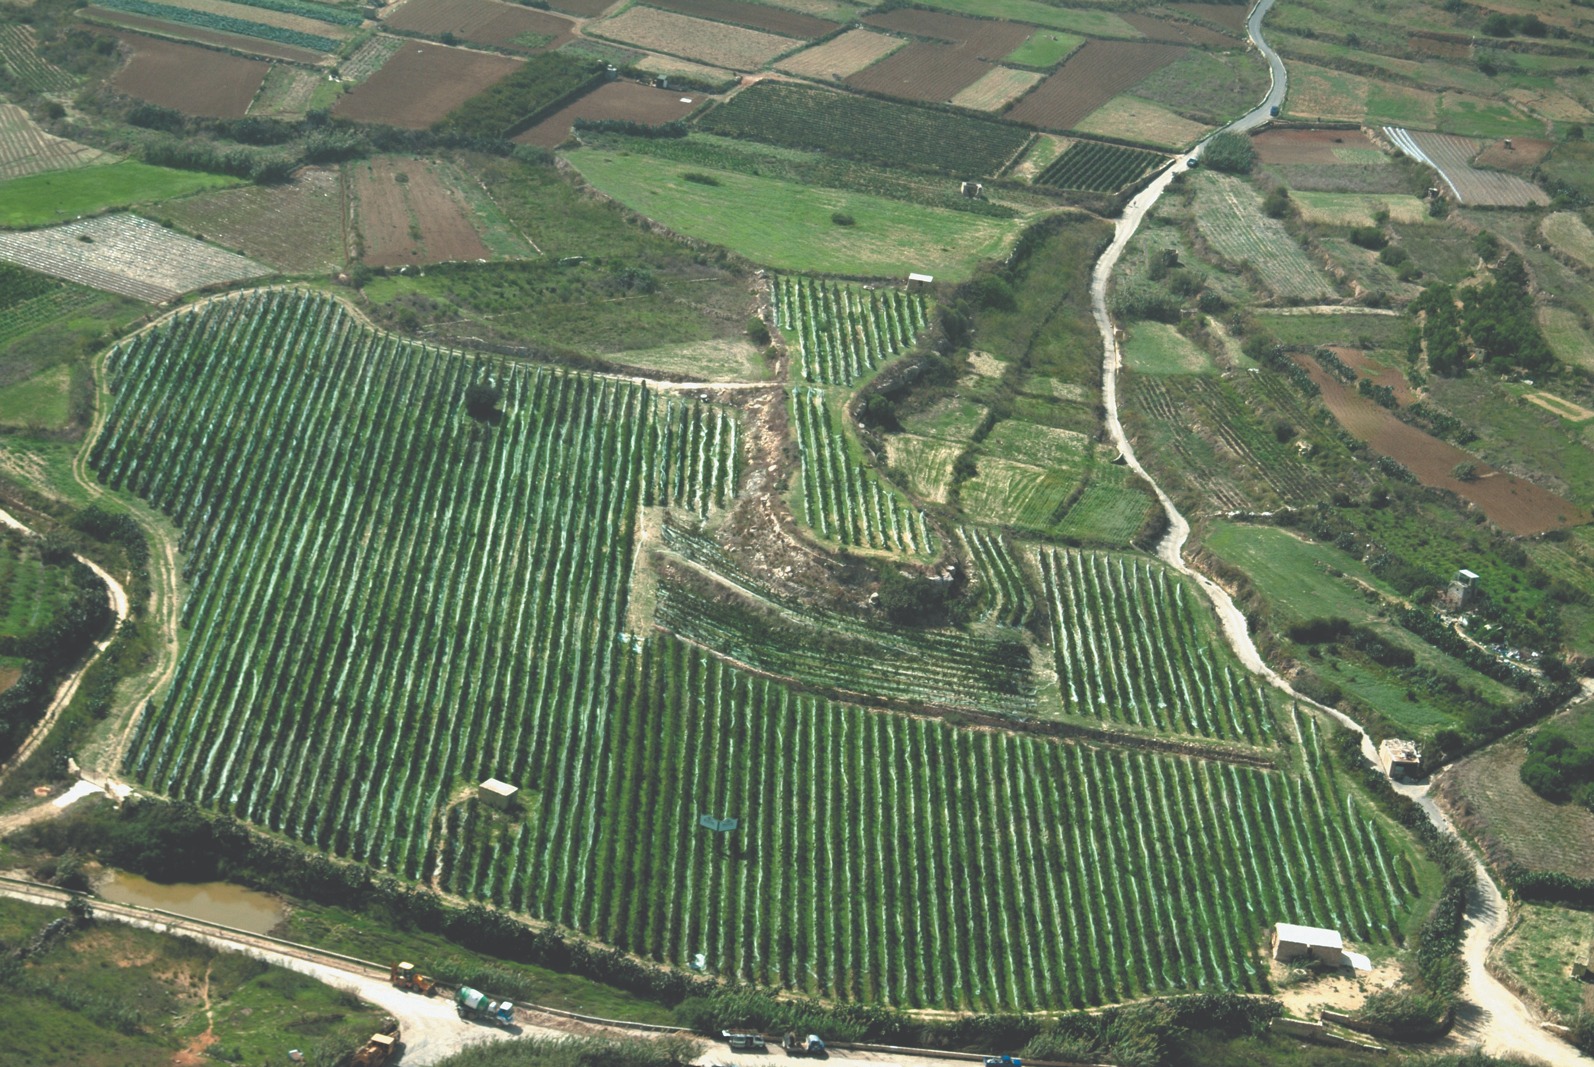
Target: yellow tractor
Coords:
[[405, 976], [377, 1051]]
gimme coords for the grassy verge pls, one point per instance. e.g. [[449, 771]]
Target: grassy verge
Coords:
[[59, 196]]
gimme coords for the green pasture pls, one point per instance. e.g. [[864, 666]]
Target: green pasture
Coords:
[[789, 227], [40, 401], [60, 196], [1158, 348], [1044, 49]]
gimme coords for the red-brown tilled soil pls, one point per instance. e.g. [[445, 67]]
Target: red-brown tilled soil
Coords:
[[931, 72], [757, 16], [1092, 76], [1307, 146], [613, 100], [482, 22], [195, 81], [982, 38], [422, 83], [419, 220]]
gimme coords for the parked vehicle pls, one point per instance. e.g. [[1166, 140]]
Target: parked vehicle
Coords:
[[474, 1004], [376, 1051], [811, 1046], [747, 1042], [405, 976]]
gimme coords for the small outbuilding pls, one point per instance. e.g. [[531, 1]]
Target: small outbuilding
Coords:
[[917, 282], [1291, 942], [496, 794], [1399, 758]]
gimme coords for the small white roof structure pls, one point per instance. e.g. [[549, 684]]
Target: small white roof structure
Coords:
[[925, 278], [1468, 575], [1311, 936], [1358, 961], [503, 789]]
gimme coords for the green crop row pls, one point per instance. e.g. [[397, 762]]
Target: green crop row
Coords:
[[842, 331], [1096, 167], [226, 23]]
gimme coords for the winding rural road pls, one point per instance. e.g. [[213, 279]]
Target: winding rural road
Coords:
[[1493, 1016]]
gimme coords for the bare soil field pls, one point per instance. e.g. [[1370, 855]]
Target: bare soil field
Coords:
[[654, 63], [1327, 147], [1516, 506], [233, 42], [26, 149], [984, 38], [421, 219], [195, 81], [996, 88], [1092, 76], [422, 83], [296, 227], [1150, 122], [1556, 405], [1524, 154], [1445, 46], [1230, 16], [1452, 156], [613, 100], [841, 56], [921, 71], [1187, 33], [586, 9], [128, 255], [714, 43], [1376, 372], [484, 22], [755, 16], [1512, 823]]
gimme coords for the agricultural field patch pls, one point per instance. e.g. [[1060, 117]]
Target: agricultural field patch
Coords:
[[839, 331], [1539, 953], [1451, 156], [127, 255], [1358, 209], [1044, 49], [715, 78], [1158, 348], [791, 225], [195, 81], [296, 227], [923, 464], [44, 199], [1229, 214], [288, 92], [1206, 86], [1230, 16], [1513, 824], [996, 89], [369, 58], [628, 100], [408, 214], [1006, 493], [1318, 94], [1092, 76], [1570, 342], [1572, 165], [488, 22], [1520, 157], [1186, 33], [948, 419], [232, 43], [422, 83], [1515, 505], [755, 16], [1041, 446], [1150, 123], [1570, 235], [926, 71], [19, 51], [1097, 167], [1080, 21], [986, 39], [1560, 406], [714, 43], [1109, 511], [587, 9], [40, 401], [842, 499], [26, 149], [874, 131], [243, 24], [1316, 147], [840, 56]]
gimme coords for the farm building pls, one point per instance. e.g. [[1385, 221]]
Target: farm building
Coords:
[[496, 794], [1400, 759], [1291, 942], [1462, 588], [919, 281]]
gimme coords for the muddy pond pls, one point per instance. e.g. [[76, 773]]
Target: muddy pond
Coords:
[[217, 902]]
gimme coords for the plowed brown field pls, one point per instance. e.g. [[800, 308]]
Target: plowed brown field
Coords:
[[758, 16], [483, 22], [420, 220], [933, 72], [1230, 16], [195, 81], [718, 44], [1308, 146], [422, 83], [1516, 506], [1157, 29], [1092, 76], [613, 100], [983, 38]]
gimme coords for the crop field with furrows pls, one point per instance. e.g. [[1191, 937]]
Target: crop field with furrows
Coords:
[[1131, 649], [612, 100], [408, 214], [858, 127], [225, 23], [1150, 122], [694, 456], [19, 51], [922, 465], [311, 18], [715, 43], [26, 149], [1230, 16], [988, 39], [369, 58], [931, 855], [295, 226], [841, 56], [299, 453], [998, 87], [922, 71], [421, 84], [1092, 76], [193, 80], [1023, 495], [716, 605], [1187, 33], [483, 22], [841, 331], [1097, 167], [1452, 157], [286, 93], [1229, 214], [755, 16], [1318, 147], [841, 497], [996, 564], [127, 255], [1570, 235], [1108, 512]]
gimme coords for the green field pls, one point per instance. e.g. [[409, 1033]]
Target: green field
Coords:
[[1071, 19], [1538, 951], [40, 401], [1229, 213], [1044, 49], [60, 196], [1158, 348], [789, 227]]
